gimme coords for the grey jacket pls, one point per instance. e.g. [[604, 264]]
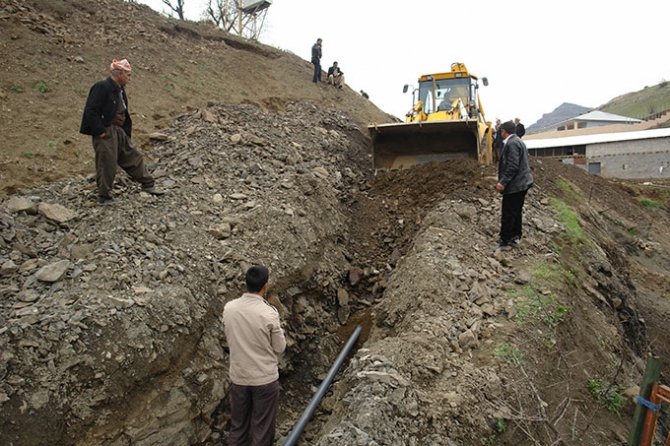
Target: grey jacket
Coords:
[[316, 53], [513, 169]]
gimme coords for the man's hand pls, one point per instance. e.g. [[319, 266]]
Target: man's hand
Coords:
[[275, 302], [500, 187], [119, 120]]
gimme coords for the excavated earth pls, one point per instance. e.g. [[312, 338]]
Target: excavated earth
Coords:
[[110, 327]]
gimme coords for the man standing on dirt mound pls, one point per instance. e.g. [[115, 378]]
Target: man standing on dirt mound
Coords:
[[316, 60], [514, 180], [107, 120], [255, 338]]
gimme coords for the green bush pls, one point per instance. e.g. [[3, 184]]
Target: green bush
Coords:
[[41, 87], [608, 396]]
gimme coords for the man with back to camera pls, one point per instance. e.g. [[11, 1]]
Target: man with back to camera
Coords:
[[107, 120], [514, 180], [255, 338]]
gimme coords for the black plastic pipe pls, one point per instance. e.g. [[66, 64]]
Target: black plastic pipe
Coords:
[[316, 399]]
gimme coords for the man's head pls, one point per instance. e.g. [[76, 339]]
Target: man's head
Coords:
[[508, 127], [257, 278], [319, 40], [335, 64], [517, 120], [120, 71]]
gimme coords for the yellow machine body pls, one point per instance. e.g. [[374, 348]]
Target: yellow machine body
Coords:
[[446, 121]]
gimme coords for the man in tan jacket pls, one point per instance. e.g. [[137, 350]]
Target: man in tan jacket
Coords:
[[255, 338]]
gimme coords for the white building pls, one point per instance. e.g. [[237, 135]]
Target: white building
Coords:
[[595, 118], [641, 154]]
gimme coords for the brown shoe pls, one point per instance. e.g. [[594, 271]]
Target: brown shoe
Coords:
[[153, 191]]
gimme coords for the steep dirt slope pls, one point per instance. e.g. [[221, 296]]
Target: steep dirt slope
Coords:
[[53, 51]]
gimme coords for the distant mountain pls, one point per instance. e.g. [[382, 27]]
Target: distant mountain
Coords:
[[561, 113]]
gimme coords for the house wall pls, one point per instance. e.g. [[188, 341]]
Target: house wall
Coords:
[[640, 159]]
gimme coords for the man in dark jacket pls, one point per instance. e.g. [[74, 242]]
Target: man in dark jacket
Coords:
[[336, 76], [514, 180], [107, 120], [316, 60]]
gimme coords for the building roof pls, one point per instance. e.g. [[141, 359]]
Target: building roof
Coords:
[[592, 116], [582, 140], [598, 115]]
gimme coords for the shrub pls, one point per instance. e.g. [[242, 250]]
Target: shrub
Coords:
[[41, 87], [607, 395]]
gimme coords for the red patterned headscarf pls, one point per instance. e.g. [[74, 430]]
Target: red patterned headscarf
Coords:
[[122, 65]]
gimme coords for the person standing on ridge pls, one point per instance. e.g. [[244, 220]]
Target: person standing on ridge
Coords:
[[107, 121], [255, 338], [316, 60], [514, 181]]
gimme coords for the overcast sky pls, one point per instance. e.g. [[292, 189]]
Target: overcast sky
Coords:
[[535, 54]]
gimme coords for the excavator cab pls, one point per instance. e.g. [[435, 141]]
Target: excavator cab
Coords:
[[446, 121]]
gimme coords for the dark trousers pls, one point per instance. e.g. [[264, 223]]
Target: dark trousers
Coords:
[[253, 408], [317, 71], [511, 220], [116, 148]]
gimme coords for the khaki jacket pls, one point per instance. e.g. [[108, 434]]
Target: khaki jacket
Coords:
[[255, 338]]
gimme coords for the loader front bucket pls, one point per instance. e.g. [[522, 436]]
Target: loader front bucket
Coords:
[[402, 145]]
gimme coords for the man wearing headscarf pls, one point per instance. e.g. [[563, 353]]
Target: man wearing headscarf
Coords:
[[107, 120]]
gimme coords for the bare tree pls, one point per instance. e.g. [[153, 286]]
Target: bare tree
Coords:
[[224, 13], [178, 9], [232, 16]]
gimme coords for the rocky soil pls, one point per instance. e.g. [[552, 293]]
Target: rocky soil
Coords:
[[109, 316]]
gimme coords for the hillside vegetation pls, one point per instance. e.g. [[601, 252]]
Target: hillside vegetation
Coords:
[[641, 104]]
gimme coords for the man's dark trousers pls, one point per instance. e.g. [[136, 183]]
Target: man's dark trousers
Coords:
[[511, 220], [117, 148], [255, 408], [317, 71]]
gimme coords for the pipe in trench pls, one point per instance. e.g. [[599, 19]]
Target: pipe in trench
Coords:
[[316, 399]]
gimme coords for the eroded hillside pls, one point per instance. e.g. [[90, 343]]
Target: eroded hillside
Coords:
[[53, 52]]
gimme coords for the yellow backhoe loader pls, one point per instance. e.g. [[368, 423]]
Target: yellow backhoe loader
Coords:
[[447, 121]]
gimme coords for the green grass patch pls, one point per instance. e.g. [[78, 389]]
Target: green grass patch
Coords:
[[568, 217], [652, 203], [568, 189], [608, 396], [41, 87], [16, 89], [29, 154], [533, 307], [509, 354]]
